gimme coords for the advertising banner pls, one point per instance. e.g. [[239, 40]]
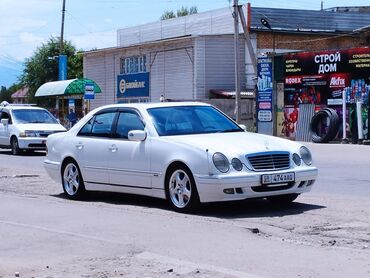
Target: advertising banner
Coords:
[[321, 77], [133, 85], [62, 63], [264, 93]]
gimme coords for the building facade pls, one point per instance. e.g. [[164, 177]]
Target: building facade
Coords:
[[189, 58]]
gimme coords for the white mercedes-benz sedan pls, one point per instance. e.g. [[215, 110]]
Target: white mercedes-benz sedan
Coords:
[[187, 153]]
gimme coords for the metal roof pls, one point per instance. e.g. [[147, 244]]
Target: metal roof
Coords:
[[309, 20]]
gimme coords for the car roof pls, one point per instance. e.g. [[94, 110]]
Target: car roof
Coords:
[[23, 107], [148, 105]]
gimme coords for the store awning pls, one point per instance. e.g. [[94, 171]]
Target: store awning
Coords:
[[66, 88]]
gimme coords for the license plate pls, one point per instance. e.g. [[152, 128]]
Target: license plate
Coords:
[[277, 178]]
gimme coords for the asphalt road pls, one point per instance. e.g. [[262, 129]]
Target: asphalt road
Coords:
[[325, 233]]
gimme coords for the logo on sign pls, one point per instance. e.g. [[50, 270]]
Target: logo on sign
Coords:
[[293, 80], [336, 82], [122, 86]]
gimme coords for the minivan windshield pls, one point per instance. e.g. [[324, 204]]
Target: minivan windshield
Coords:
[[33, 116], [181, 120]]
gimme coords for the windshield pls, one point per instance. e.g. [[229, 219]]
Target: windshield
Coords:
[[181, 120], [33, 116]]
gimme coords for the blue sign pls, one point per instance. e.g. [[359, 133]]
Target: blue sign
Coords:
[[89, 91], [133, 85], [62, 67], [264, 86]]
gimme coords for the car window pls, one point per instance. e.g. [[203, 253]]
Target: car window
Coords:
[[102, 125], [128, 121], [34, 116], [181, 120], [86, 129], [5, 115]]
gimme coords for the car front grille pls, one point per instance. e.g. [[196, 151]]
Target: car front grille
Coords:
[[45, 133], [269, 161]]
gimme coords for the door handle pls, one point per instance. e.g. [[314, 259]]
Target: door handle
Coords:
[[79, 146], [113, 148]]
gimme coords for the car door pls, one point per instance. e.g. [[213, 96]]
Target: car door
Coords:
[[92, 147], [4, 129], [129, 161]]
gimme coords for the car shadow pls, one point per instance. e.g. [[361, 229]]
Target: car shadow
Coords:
[[23, 153], [249, 208]]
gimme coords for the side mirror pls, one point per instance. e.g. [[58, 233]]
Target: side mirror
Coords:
[[243, 127], [5, 121], [137, 135]]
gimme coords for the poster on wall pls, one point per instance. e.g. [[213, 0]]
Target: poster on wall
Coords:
[[321, 78], [264, 86]]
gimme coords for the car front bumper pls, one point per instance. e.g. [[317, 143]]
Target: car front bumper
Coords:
[[211, 188], [32, 143]]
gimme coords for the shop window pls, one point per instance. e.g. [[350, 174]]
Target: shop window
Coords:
[[134, 64]]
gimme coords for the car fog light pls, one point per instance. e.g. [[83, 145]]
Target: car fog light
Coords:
[[237, 164], [297, 159], [229, 191]]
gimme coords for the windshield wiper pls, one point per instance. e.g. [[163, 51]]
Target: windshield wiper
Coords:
[[229, 130]]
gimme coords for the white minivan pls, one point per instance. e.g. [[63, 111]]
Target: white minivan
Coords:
[[26, 127]]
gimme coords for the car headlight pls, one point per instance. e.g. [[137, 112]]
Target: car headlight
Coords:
[[297, 159], [221, 162], [305, 155], [237, 164], [28, 133]]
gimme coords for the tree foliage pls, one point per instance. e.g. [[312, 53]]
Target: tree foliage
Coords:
[[6, 94], [42, 67], [167, 15], [180, 12]]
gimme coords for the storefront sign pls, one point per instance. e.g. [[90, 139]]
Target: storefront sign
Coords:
[[133, 85]]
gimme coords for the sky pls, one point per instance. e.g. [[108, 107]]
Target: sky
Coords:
[[89, 24]]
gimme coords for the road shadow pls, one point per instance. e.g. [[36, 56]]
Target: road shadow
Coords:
[[249, 208], [23, 153]]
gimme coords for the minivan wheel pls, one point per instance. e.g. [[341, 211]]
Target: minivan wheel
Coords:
[[73, 185], [15, 146], [181, 191]]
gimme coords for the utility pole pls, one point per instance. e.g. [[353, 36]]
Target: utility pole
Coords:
[[237, 64], [62, 28]]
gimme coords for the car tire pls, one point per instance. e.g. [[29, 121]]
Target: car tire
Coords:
[[15, 146], [282, 199], [181, 190], [72, 181]]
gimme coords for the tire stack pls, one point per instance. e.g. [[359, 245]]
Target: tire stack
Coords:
[[331, 117]]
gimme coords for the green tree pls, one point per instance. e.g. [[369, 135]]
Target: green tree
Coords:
[[6, 94], [42, 67], [180, 12], [167, 15]]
